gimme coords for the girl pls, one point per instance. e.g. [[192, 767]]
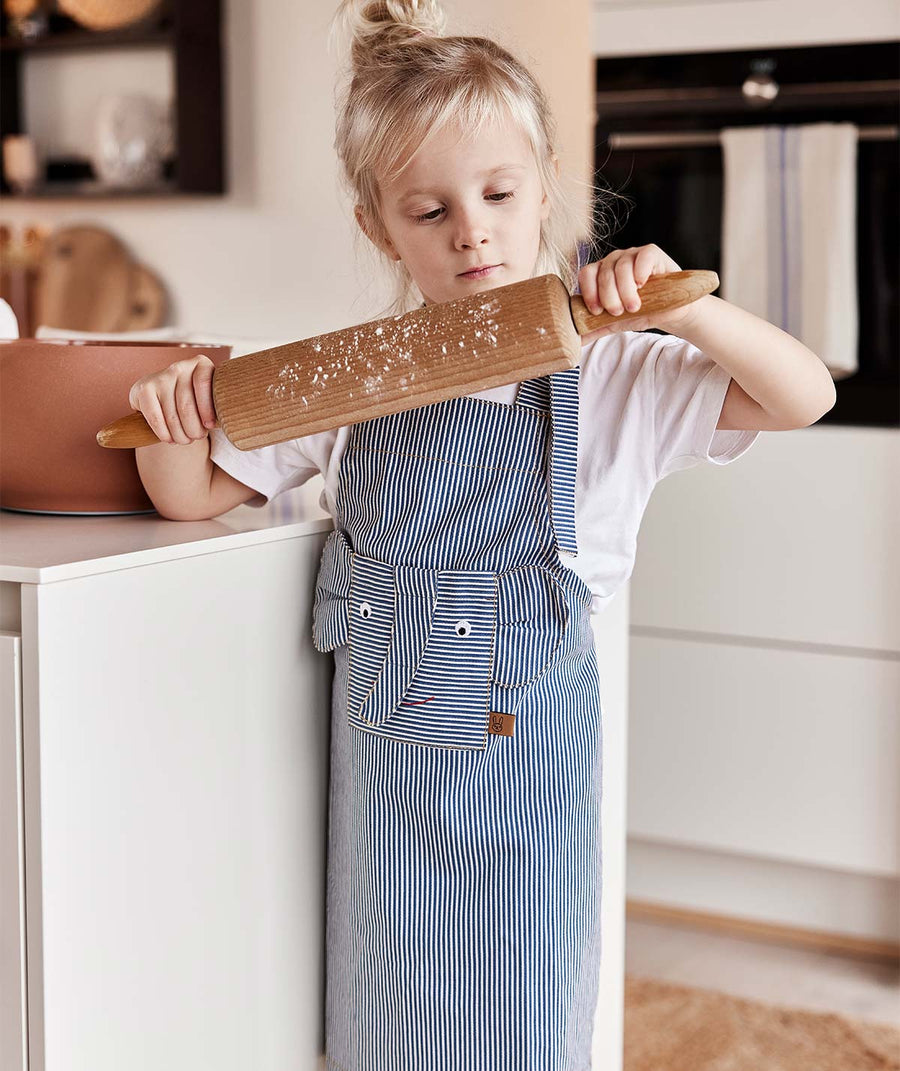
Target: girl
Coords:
[[464, 874]]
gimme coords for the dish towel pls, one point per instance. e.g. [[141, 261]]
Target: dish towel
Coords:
[[789, 233]]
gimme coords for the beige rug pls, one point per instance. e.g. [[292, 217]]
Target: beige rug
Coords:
[[677, 1028]]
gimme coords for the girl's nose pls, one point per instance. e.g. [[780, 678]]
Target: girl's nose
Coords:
[[471, 230]]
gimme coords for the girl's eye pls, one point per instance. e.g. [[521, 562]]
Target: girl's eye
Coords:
[[428, 216]]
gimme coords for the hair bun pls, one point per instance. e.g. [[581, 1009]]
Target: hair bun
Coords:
[[377, 26]]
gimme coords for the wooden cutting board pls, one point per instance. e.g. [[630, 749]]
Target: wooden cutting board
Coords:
[[88, 281], [442, 351]]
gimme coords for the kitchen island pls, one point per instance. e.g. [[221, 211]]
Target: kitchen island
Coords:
[[163, 792]]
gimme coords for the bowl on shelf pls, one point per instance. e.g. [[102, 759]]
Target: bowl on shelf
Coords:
[[55, 395]]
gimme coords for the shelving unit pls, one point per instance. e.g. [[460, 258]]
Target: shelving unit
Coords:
[[193, 32]]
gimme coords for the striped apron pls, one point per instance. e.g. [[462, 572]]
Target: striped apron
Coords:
[[464, 867]]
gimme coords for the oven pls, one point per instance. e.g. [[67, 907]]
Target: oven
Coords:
[[658, 144]]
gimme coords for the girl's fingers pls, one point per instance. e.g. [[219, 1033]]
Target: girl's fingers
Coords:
[[153, 414], [587, 284], [607, 288], [644, 264], [169, 406], [177, 402], [613, 283], [186, 409], [202, 379], [626, 285]]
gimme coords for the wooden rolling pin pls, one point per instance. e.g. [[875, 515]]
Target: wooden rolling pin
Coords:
[[446, 350]]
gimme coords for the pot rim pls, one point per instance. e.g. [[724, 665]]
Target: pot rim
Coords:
[[114, 342]]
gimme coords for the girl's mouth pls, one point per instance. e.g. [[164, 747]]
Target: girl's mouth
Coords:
[[479, 273]]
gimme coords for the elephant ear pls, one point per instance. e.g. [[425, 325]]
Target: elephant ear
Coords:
[[332, 597], [532, 615]]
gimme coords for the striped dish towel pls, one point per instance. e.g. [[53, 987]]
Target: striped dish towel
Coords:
[[789, 233]]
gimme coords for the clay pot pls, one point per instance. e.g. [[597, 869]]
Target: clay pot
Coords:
[[55, 395]]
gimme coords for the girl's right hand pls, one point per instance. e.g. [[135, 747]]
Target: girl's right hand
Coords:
[[177, 402]]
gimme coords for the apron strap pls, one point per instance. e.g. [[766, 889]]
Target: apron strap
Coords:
[[558, 394]]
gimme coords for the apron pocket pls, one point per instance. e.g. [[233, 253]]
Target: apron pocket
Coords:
[[448, 699], [532, 617]]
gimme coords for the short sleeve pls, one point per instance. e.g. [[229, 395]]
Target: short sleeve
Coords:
[[269, 470], [689, 392]]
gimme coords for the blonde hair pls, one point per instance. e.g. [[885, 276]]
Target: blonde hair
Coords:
[[406, 83]]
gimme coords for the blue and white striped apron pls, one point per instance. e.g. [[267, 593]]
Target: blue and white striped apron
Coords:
[[464, 868]]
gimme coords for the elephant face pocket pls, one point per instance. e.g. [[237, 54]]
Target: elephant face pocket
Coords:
[[422, 677]]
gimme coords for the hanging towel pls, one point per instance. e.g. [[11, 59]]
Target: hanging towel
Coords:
[[789, 233]]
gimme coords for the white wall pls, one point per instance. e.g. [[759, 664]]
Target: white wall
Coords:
[[275, 256], [645, 27]]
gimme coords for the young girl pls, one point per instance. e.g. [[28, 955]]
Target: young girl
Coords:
[[464, 874]]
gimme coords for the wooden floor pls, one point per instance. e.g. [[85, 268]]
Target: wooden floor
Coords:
[[763, 971]]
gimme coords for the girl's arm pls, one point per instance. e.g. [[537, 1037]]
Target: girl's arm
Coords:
[[184, 484], [777, 382], [178, 474]]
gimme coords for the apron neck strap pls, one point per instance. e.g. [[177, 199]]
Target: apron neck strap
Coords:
[[557, 393]]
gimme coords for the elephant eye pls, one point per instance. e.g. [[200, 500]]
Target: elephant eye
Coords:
[[365, 610], [462, 628]]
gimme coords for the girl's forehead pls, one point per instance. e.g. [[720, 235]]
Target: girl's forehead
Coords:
[[452, 153]]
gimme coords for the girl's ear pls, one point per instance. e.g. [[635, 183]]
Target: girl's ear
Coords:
[[387, 248]]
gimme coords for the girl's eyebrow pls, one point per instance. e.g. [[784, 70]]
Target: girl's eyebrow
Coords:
[[484, 174]]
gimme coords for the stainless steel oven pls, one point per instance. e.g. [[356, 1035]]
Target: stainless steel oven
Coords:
[[657, 143]]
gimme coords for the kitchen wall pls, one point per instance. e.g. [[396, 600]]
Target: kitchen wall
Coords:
[[275, 257], [632, 27]]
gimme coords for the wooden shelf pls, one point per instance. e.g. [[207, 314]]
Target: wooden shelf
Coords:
[[77, 40], [95, 190], [193, 32]]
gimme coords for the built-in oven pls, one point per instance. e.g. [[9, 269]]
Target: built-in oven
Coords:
[[658, 145]]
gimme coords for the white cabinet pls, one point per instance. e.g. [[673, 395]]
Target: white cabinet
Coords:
[[175, 726], [13, 1021], [765, 686]]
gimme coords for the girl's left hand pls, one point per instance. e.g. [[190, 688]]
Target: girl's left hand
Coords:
[[612, 285]]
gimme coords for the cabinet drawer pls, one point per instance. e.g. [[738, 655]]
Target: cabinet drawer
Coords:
[[788, 755], [794, 541]]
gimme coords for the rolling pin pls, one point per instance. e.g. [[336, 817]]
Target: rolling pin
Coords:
[[445, 350]]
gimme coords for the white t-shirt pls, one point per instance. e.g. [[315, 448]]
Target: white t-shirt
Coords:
[[648, 406]]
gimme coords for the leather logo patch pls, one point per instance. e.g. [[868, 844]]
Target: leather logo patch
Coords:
[[501, 724]]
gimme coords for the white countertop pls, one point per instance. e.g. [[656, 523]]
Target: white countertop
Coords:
[[41, 548]]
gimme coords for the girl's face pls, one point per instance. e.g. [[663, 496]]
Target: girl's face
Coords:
[[463, 203]]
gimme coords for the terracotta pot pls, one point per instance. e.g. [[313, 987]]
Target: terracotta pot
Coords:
[[55, 395]]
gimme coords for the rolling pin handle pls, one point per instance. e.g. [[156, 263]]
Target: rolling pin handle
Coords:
[[127, 432]]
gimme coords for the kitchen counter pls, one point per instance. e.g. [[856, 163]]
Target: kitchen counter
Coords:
[[43, 548]]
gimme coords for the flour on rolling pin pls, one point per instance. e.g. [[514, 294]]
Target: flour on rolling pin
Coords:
[[401, 362], [361, 356]]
